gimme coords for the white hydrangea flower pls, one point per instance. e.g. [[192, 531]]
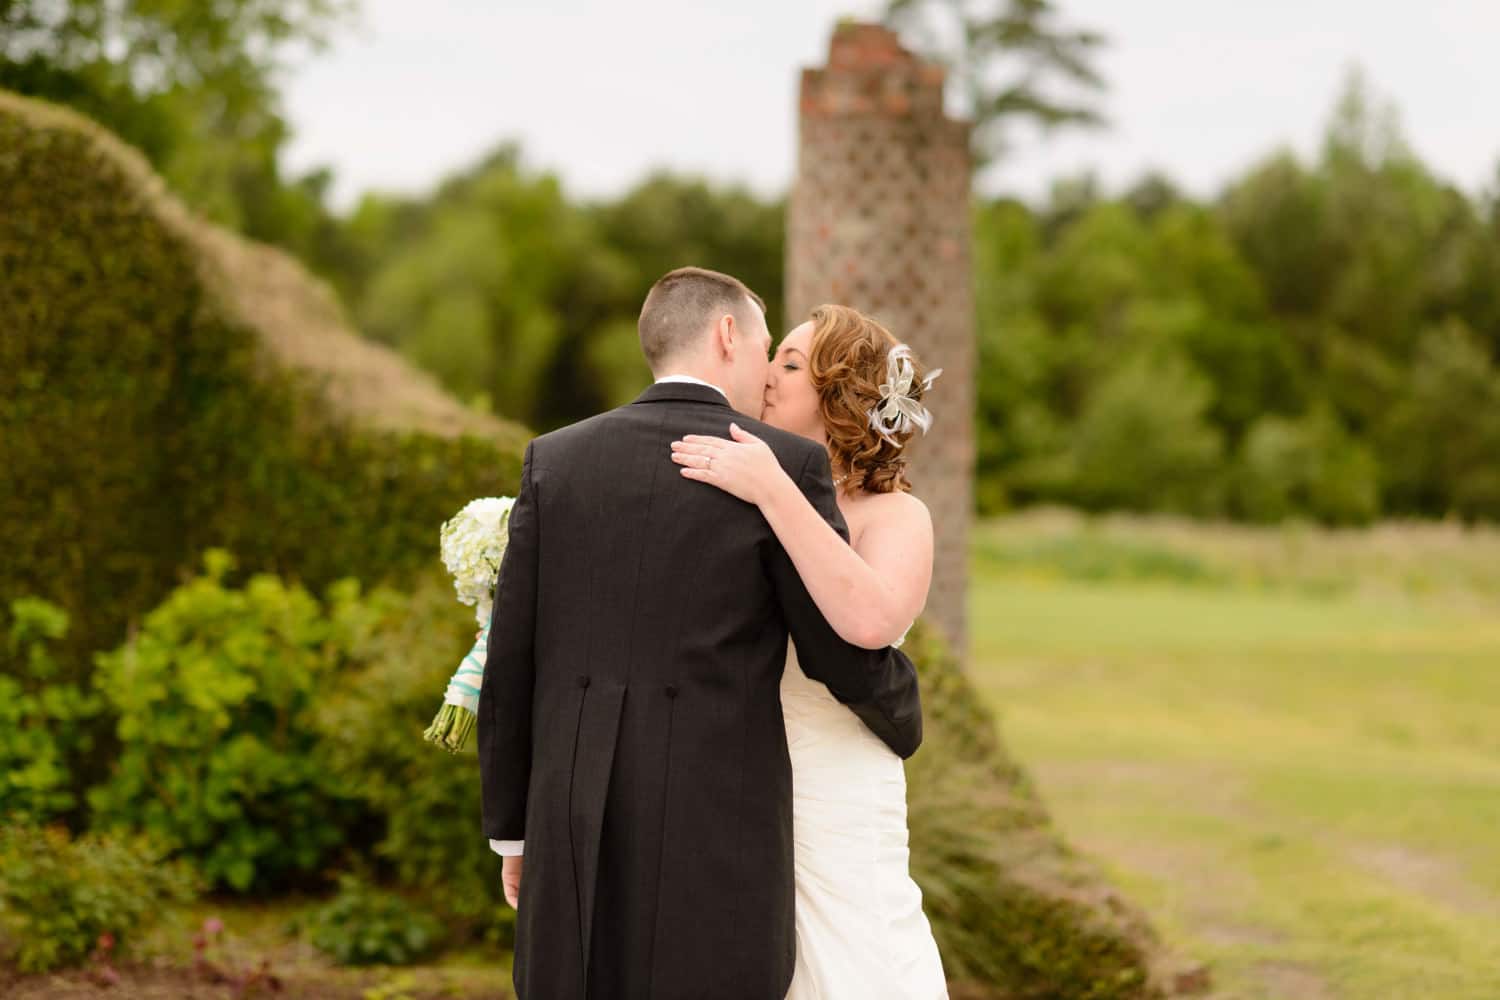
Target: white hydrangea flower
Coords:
[[473, 545]]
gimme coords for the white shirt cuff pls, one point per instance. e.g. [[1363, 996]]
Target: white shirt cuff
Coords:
[[508, 848]]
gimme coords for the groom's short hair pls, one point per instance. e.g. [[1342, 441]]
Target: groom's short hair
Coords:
[[682, 304]]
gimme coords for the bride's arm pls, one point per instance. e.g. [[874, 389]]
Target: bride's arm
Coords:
[[871, 592]]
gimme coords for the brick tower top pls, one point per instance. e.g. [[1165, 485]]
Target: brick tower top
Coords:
[[870, 72]]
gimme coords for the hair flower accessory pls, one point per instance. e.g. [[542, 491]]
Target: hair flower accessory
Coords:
[[898, 412]]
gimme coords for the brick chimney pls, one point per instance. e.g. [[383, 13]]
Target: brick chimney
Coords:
[[879, 220]]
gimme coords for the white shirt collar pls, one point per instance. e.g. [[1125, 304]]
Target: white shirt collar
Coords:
[[694, 381]]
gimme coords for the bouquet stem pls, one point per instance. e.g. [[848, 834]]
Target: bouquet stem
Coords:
[[451, 728]]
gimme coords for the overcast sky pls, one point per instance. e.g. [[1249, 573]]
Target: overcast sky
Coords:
[[603, 91]]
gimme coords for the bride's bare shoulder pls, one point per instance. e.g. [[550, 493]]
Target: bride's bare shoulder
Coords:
[[902, 511]]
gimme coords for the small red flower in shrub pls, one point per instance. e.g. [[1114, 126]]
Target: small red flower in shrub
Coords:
[[102, 972], [201, 965]]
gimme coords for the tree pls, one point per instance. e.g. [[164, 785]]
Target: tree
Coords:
[[1143, 441], [668, 221], [1308, 467], [1442, 437], [524, 300], [1153, 193], [192, 84], [1011, 60], [495, 284], [161, 45]]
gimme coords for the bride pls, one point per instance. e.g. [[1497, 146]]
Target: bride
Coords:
[[842, 380]]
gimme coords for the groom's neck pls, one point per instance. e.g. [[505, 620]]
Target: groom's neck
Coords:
[[715, 379], [694, 369]]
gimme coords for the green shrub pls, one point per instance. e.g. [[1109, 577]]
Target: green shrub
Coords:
[[364, 925], [1016, 914], [44, 722], [219, 756], [429, 838], [59, 895], [1092, 554]]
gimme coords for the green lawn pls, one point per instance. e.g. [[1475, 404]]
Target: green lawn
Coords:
[[1285, 747]]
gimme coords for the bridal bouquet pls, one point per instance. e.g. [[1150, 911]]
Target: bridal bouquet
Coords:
[[473, 544]]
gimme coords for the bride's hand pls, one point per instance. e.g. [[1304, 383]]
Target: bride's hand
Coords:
[[744, 466]]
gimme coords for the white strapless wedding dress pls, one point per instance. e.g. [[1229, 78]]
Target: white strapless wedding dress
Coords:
[[861, 932]]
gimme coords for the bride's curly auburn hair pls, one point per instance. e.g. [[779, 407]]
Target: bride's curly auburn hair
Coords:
[[847, 365]]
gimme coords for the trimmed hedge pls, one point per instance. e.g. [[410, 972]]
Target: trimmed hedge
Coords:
[[148, 413], [1017, 915]]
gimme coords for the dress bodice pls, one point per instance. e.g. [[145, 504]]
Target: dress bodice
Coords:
[[817, 723]]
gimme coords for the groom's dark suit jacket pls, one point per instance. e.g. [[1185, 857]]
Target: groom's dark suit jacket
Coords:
[[630, 726]]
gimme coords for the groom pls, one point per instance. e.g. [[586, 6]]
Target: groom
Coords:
[[631, 743]]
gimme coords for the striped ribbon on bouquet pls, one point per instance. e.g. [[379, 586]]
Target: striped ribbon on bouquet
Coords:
[[454, 722]]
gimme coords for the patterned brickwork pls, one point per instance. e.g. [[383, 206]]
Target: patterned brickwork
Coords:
[[879, 220]]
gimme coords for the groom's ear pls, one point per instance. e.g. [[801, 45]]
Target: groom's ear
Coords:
[[725, 335]]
